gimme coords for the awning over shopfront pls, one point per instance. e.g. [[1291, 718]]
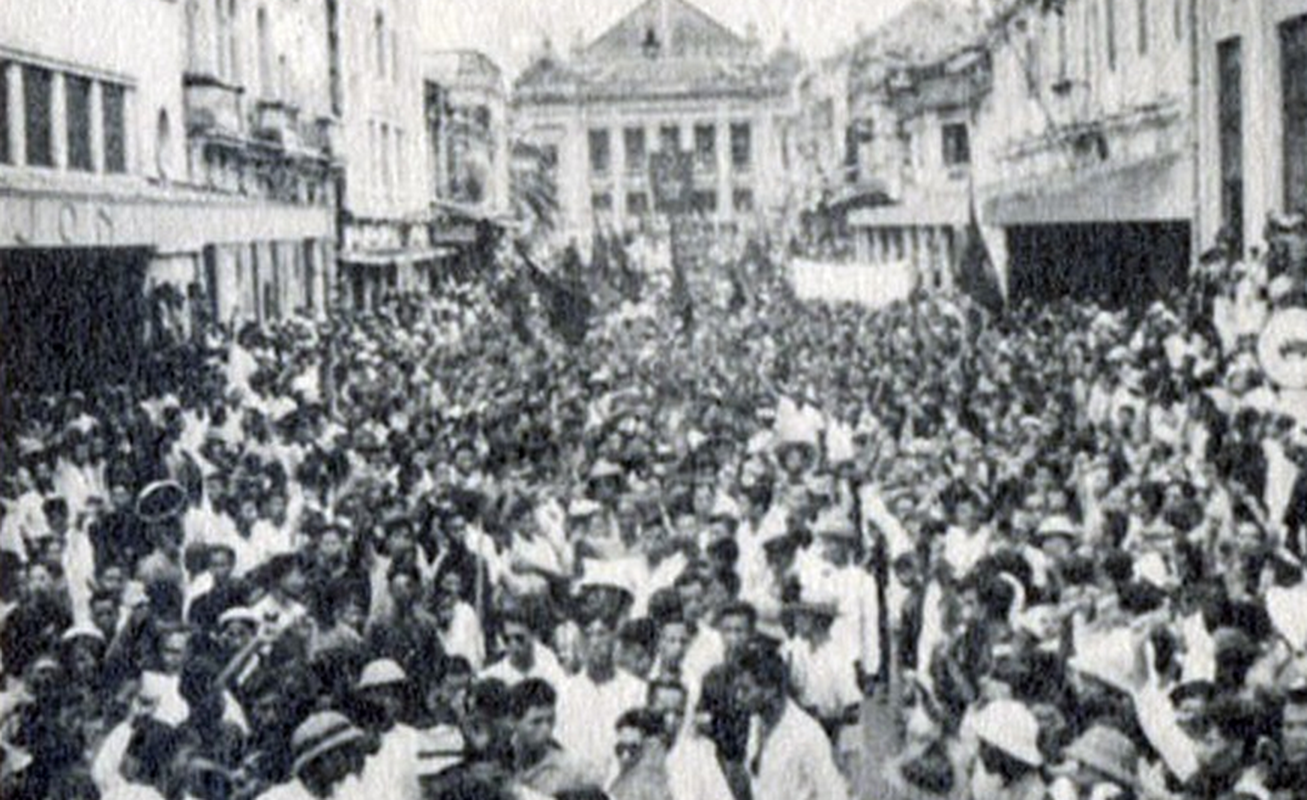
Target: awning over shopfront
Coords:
[[1155, 190], [936, 209]]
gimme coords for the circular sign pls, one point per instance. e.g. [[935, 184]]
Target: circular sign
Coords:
[[1282, 348]]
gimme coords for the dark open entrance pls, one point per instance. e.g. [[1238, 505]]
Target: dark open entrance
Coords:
[[70, 318], [1117, 265]]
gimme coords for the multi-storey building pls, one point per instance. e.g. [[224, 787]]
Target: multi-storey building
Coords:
[[384, 216], [666, 77], [915, 86], [1252, 115], [466, 112], [467, 122], [1087, 143], [138, 161]]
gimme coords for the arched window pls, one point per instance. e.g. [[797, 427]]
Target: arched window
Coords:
[[163, 145], [379, 42], [267, 85]]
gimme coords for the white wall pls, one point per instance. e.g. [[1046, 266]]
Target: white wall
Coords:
[[139, 42]]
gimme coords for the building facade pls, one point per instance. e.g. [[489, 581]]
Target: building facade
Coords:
[[665, 77], [1252, 116], [384, 230], [1087, 146], [915, 87], [122, 181], [466, 105]]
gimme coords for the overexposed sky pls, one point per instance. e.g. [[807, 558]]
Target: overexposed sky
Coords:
[[509, 31]]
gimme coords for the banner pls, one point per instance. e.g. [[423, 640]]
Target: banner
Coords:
[[871, 285]]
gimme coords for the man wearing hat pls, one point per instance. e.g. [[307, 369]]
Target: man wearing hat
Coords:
[[857, 627], [1009, 760], [383, 694], [329, 757]]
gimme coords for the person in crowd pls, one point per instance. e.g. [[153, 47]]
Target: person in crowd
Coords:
[[540, 762], [1058, 546], [641, 757]]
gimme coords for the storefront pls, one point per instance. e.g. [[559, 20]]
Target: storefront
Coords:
[[82, 263], [1119, 236]]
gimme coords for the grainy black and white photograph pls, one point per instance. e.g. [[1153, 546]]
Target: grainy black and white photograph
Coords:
[[653, 399]]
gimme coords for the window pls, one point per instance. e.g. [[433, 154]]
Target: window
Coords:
[[637, 204], [394, 56], [1063, 49], [1143, 27], [385, 160], [741, 145], [220, 41], [5, 137], [379, 43], [398, 161], [77, 102], [1034, 67], [163, 145], [1229, 69], [957, 144], [705, 146], [481, 118], [266, 86], [113, 103], [669, 139], [1177, 18], [1293, 76], [600, 156], [1111, 34], [742, 201], [704, 202], [601, 201], [633, 145], [36, 107]]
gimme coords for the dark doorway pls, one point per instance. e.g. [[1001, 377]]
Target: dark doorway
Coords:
[[70, 319], [1119, 265]]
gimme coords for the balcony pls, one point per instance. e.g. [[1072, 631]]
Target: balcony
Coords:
[[275, 121], [212, 107], [323, 135]]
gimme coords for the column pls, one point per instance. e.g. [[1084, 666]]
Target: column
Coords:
[[17, 115], [58, 121], [877, 245], [97, 127], [913, 245], [617, 154], [950, 257], [862, 244], [200, 40], [724, 168]]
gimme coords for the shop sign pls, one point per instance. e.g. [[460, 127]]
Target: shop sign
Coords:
[[51, 222]]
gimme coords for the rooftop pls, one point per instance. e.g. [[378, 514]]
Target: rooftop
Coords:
[[662, 48]]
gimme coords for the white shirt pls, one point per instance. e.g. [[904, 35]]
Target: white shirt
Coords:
[[392, 772], [545, 665], [794, 761], [693, 772], [588, 714]]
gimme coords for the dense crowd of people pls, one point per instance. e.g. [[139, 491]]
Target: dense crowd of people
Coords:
[[432, 551]]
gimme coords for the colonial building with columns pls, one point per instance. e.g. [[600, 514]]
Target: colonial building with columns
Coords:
[[667, 76], [172, 152]]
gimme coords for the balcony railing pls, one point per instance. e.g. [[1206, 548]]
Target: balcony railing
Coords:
[[277, 122], [212, 106]]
